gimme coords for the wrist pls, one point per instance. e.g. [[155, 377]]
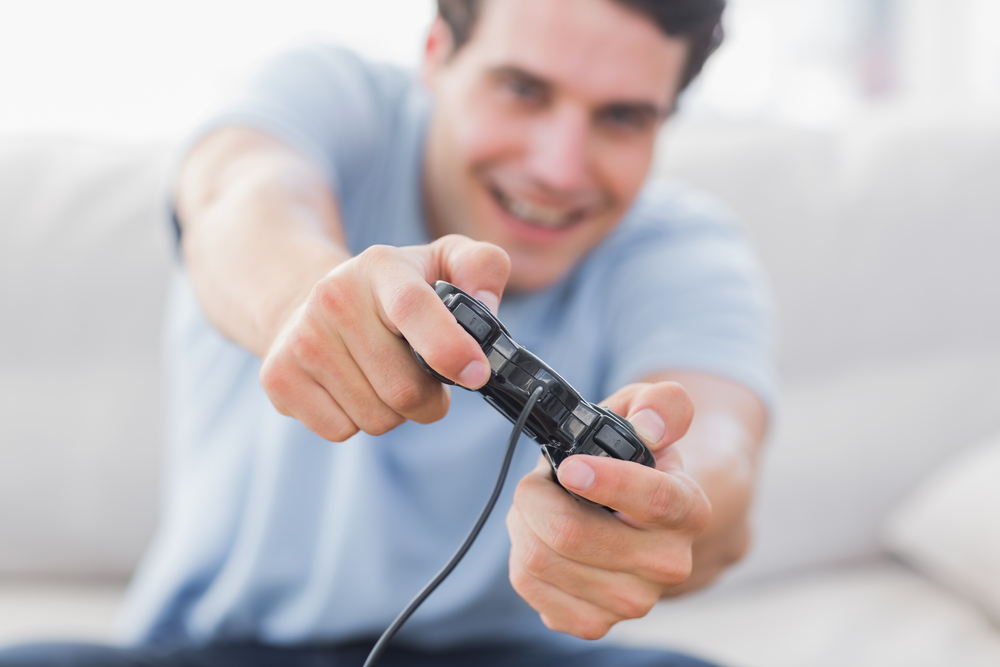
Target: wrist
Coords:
[[278, 306]]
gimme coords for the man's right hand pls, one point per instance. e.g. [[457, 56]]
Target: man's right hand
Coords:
[[341, 362]]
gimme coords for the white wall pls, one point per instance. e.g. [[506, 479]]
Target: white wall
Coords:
[[142, 69], [151, 68]]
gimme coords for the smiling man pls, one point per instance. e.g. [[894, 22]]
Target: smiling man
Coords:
[[318, 476]]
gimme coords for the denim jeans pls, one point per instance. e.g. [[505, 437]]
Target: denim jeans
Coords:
[[350, 655]]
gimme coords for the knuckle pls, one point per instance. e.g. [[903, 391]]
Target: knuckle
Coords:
[[277, 379], [404, 301], [377, 256], [339, 431], [660, 503], [519, 580], [523, 493], [382, 422], [673, 570], [405, 396], [700, 514], [637, 602], [591, 627], [306, 345], [535, 558], [331, 295], [565, 533]]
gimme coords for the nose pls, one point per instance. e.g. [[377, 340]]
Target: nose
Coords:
[[558, 157]]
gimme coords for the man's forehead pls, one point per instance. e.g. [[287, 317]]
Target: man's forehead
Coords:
[[599, 48]]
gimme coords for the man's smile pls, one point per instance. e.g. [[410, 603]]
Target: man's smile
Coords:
[[540, 215]]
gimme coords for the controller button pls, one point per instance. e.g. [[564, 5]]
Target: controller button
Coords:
[[496, 361], [552, 407], [527, 361], [520, 379], [477, 326], [573, 427], [585, 414], [615, 443], [505, 346], [591, 448]]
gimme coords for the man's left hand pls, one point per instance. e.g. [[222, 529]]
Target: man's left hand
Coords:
[[584, 569]]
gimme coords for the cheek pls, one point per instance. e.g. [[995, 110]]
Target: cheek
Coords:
[[487, 138], [625, 169]]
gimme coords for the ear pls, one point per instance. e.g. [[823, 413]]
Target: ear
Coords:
[[438, 49]]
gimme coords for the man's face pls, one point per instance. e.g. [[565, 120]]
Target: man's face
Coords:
[[544, 127]]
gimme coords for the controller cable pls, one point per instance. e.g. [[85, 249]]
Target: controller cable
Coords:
[[391, 631]]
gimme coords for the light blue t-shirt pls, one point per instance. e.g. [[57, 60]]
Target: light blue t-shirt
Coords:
[[270, 533]]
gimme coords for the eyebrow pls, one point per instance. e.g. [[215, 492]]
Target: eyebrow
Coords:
[[512, 72], [642, 107]]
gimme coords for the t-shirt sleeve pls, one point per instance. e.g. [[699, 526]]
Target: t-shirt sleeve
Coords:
[[688, 294], [324, 101]]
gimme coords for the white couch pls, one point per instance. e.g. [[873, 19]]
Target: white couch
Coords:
[[881, 240]]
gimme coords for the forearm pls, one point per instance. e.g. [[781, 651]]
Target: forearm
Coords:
[[260, 228], [720, 452]]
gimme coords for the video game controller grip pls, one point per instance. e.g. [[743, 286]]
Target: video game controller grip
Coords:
[[562, 422]]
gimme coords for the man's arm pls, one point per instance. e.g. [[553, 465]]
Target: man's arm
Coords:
[[677, 526], [264, 246], [720, 452]]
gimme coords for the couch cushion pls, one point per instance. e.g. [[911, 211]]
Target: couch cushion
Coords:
[[84, 260], [33, 611], [949, 527], [879, 614]]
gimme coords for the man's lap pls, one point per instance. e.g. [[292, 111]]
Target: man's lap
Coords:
[[353, 655]]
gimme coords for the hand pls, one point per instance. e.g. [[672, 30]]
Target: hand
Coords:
[[583, 568], [342, 360]]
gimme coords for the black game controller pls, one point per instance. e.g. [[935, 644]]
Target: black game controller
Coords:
[[562, 422]]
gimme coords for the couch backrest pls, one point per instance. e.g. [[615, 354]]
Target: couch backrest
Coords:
[[881, 240], [83, 270]]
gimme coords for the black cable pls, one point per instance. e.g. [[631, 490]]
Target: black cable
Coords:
[[391, 631]]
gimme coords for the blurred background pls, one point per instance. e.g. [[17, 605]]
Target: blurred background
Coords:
[[140, 70], [857, 142]]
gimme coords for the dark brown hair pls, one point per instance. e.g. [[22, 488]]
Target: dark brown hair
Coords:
[[699, 22]]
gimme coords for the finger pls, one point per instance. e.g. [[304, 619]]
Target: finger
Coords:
[[326, 360], [295, 394], [559, 610], [623, 594], [479, 268], [580, 531], [660, 413], [400, 384], [589, 534], [409, 306], [647, 495]]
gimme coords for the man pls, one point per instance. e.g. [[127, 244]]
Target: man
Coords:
[[315, 214]]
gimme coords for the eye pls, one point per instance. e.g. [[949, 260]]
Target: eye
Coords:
[[526, 90], [627, 118]]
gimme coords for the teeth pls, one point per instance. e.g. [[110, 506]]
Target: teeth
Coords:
[[537, 215]]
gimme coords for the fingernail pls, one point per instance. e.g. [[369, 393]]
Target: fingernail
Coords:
[[475, 375], [576, 475], [648, 425], [491, 300]]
